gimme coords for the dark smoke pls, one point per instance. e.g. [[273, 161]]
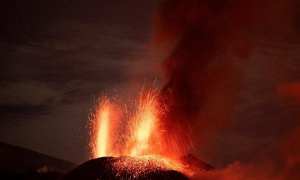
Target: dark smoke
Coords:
[[209, 41]]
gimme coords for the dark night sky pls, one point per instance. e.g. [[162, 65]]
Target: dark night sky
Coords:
[[57, 56]]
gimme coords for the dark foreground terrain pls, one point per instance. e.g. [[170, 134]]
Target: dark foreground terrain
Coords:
[[106, 168], [24, 164], [102, 168]]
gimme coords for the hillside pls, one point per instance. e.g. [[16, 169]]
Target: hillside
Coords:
[[20, 163]]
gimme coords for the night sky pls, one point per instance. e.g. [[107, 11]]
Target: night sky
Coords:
[[58, 56]]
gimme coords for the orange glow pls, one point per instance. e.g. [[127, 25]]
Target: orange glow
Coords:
[[149, 163], [102, 124], [144, 124], [140, 136], [102, 135]]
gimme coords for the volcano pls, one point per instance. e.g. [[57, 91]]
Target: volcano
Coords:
[[145, 167], [141, 150], [104, 168]]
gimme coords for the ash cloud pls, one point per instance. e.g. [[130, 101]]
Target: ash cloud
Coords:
[[208, 40], [222, 81]]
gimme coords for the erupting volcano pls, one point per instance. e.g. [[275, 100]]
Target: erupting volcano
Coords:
[[137, 137], [132, 144], [207, 43]]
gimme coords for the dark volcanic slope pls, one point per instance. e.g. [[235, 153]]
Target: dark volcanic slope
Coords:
[[102, 168], [195, 164], [15, 159]]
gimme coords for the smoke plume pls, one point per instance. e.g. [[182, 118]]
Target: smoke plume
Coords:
[[208, 43]]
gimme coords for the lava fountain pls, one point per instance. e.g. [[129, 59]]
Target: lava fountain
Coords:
[[141, 130], [102, 128], [134, 144], [141, 140]]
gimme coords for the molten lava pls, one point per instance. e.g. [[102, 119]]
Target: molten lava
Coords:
[[141, 137], [147, 163], [144, 125], [102, 131]]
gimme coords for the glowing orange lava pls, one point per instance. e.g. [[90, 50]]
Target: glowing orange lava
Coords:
[[141, 137], [102, 134], [149, 163], [102, 125], [144, 125]]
